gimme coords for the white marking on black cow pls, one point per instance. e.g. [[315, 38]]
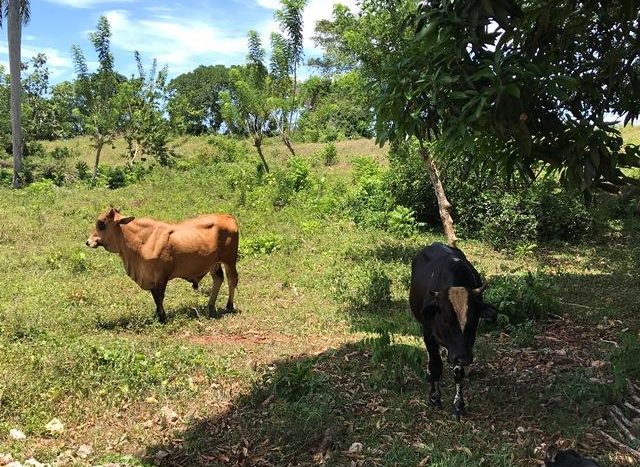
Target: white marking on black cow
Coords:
[[459, 298]]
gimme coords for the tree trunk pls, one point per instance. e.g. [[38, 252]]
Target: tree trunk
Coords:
[[14, 33], [258, 145], [444, 206], [95, 167], [287, 142]]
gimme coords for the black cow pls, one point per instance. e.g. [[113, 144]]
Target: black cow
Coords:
[[446, 298], [569, 458]]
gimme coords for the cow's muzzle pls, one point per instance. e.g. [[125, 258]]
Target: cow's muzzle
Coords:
[[92, 242]]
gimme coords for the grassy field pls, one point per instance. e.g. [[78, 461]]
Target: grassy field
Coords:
[[289, 379]]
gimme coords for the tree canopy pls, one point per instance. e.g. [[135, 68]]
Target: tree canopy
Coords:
[[536, 82]]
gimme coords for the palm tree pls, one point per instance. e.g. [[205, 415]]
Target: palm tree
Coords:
[[17, 13]]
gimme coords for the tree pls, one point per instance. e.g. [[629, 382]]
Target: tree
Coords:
[[536, 83], [292, 50], [337, 57], [17, 13], [250, 106], [194, 103], [98, 92], [144, 127]]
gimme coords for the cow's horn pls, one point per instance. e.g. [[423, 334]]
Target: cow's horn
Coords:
[[479, 290], [434, 293]]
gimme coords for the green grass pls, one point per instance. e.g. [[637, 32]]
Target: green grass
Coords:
[[290, 378]]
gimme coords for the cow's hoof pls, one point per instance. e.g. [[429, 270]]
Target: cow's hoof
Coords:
[[229, 308], [211, 311], [459, 411], [435, 402]]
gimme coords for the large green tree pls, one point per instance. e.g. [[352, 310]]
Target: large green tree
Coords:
[[525, 87], [251, 106], [194, 104], [141, 100], [98, 92], [17, 13]]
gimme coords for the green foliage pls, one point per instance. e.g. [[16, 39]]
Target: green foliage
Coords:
[[625, 361], [334, 109], [228, 149], [142, 101], [363, 288], [296, 382], [194, 105], [263, 244], [474, 104], [329, 154], [488, 206], [522, 297], [121, 176], [402, 222]]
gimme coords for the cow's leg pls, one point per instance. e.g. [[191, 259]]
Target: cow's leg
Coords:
[[458, 400], [158, 297], [435, 369], [232, 282], [218, 277]]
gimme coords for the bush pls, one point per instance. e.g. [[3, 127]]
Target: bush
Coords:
[[121, 176], [329, 154], [489, 207], [521, 297], [228, 149], [561, 215], [264, 244], [363, 288], [625, 361], [402, 222]]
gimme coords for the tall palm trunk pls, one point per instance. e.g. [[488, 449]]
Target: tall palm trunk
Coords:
[[14, 33], [444, 206]]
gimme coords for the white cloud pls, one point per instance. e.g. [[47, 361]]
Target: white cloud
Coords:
[[59, 64], [87, 3], [270, 4], [178, 42]]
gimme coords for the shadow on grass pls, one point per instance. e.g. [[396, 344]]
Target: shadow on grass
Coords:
[[311, 410]]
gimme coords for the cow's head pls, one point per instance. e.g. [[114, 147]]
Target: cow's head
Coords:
[[107, 230], [453, 315]]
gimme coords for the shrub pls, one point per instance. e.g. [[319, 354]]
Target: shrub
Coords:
[[228, 149], [363, 288], [625, 361], [522, 297], [561, 215], [264, 244], [329, 154], [82, 171], [121, 176], [488, 206], [509, 219], [295, 382], [401, 222]]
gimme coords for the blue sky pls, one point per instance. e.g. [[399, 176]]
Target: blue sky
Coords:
[[182, 34]]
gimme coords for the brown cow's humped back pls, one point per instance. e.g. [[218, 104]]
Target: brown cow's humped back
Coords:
[[459, 298]]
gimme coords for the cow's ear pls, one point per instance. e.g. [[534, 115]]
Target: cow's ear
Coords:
[[123, 220], [488, 312], [111, 213]]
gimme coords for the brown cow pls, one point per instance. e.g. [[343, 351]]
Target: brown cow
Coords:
[[154, 252]]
